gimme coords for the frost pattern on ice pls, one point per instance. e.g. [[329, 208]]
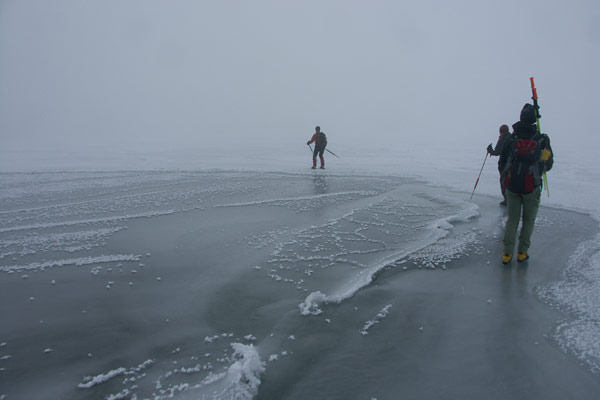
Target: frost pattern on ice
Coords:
[[380, 315], [361, 242], [45, 214], [445, 250], [101, 378], [102, 220], [91, 381], [294, 200], [240, 381], [577, 294], [72, 261], [234, 374], [370, 222]]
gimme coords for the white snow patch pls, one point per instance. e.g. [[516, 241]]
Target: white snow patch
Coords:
[[91, 381], [577, 294], [100, 378], [310, 306], [242, 379], [380, 315]]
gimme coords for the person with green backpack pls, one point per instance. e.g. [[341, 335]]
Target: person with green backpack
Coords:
[[527, 157]]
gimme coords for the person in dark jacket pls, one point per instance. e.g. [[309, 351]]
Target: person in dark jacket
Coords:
[[525, 166], [320, 141], [503, 138]]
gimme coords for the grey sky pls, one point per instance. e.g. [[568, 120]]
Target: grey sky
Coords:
[[85, 75]]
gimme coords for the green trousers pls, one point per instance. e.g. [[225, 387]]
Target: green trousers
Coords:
[[529, 204]]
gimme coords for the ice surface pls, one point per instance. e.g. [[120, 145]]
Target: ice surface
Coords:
[[242, 273]]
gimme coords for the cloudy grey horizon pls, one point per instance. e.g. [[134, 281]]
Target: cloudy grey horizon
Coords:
[[157, 76]]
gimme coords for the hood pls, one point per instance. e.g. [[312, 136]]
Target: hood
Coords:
[[524, 131]]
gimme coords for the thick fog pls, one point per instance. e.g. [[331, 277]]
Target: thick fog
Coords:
[[90, 76]]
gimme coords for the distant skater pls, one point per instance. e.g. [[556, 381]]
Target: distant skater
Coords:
[[527, 155], [497, 151], [320, 141]]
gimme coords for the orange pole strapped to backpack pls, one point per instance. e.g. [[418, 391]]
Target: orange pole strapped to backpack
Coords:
[[533, 89], [537, 121]]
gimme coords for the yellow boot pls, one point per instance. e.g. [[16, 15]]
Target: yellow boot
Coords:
[[522, 256], [506, 258]]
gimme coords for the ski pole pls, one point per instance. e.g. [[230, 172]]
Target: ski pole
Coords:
[[310, 147], [477, 181], [333, 153], [539, 129]]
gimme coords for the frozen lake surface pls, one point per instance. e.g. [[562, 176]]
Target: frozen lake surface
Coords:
[[240, 285]]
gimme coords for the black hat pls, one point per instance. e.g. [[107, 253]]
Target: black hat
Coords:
[[317, 128], [528, 115]]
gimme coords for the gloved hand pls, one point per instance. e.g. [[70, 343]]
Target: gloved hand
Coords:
[[546, 154], [308, 142], [490, 148]]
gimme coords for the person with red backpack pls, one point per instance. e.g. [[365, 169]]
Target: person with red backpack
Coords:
[[526, 156], [320, 143], [497, 151]]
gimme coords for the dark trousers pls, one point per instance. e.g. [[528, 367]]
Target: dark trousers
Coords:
[[319, 151]]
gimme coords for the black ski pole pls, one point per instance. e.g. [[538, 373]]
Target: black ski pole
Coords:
[[477, 181], [310, 147], [333, 153]]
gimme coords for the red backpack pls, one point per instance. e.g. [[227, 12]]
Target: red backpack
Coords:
[[524, 168]]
